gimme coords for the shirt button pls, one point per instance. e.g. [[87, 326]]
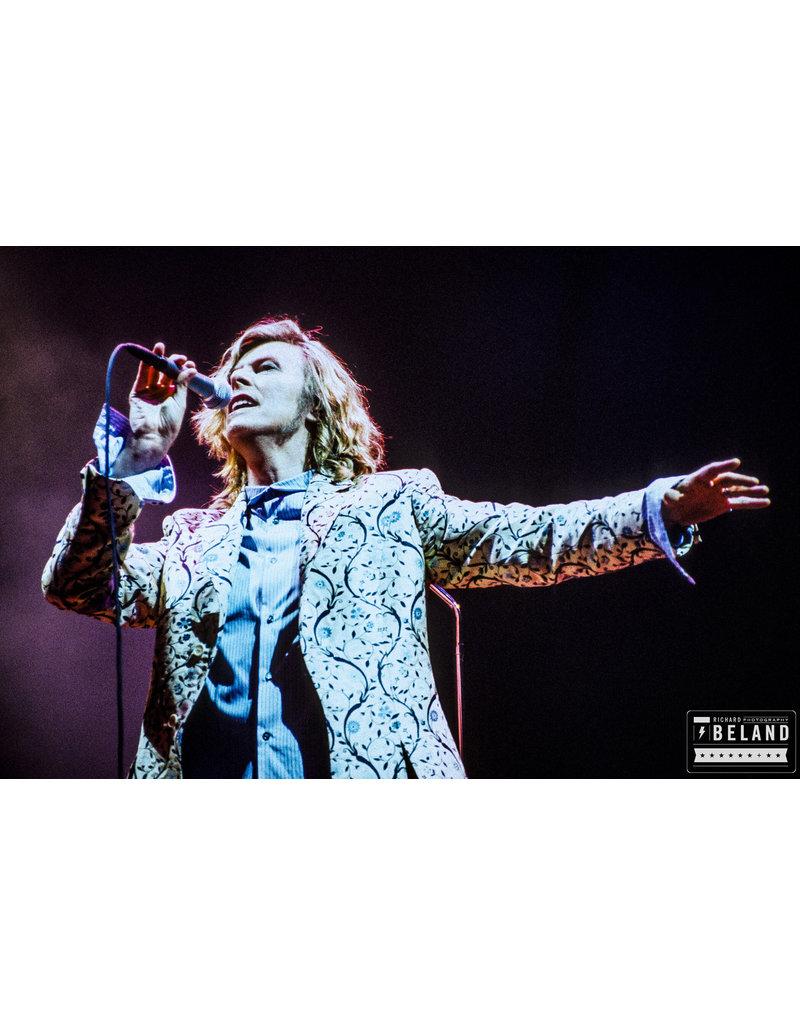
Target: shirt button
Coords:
[[270, 618], [275, 521], [266, 735]]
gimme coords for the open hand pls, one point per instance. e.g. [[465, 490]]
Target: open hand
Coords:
[[710, 491]]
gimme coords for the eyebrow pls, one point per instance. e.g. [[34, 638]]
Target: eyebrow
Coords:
[[254, 362]]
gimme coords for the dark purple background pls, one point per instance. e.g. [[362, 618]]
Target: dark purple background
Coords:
[[533, 375]]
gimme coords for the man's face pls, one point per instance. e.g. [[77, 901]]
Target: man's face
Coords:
[[267, 384]]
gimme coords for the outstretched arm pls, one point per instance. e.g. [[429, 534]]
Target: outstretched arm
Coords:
[[484, 544]]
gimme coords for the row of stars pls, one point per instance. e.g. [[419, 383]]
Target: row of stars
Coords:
[[759, 755]]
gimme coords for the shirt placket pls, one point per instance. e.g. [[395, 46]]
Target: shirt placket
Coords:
[[265, 701]]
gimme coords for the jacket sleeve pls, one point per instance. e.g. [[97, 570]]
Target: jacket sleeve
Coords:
[[485, 544], [78, 574]]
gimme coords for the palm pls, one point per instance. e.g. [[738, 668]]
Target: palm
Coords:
[[153, 416]]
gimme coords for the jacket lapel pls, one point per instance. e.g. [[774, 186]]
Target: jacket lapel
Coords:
[[324, 500], [219, 547], [220, 540]]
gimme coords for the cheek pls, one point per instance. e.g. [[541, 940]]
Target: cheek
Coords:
[[283, 397]]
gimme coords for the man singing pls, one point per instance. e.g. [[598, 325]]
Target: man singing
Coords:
[[291, 637]]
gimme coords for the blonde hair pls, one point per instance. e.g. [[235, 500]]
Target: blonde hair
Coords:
[[345, 441]]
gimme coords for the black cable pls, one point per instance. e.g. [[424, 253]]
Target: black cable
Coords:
[[115, 570]]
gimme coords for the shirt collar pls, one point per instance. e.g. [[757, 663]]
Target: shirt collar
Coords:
[[300, 482]]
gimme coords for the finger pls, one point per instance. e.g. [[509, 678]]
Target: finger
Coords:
[[151, 385], [737, 503], [169, 385], [752, 492], [164, 386], [147, 377], [189, 370], [723, 479], [707, 473], [183, 362]]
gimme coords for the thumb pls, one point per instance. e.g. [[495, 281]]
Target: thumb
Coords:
[[671, 496], [188, 371]]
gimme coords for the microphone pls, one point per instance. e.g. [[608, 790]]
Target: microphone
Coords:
[[215, 394]]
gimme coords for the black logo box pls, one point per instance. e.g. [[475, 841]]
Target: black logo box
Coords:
[[721, 749]]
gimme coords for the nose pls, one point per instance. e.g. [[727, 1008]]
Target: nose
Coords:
[[238, 374]]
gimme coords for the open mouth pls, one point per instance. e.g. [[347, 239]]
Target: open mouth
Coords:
[[240, 402]]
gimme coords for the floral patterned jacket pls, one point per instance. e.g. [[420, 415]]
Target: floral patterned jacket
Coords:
[[368, 550]]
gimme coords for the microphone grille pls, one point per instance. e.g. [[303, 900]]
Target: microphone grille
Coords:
[[220, 397]]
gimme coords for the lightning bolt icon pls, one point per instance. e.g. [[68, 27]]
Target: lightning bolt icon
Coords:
[[702, 730]]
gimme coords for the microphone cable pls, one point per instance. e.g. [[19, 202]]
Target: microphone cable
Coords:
[[215, 396], [115, 570]]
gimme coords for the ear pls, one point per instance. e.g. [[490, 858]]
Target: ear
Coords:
[[311, 413]]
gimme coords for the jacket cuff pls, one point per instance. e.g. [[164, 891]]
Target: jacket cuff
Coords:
[[656, 528], [156, 486]]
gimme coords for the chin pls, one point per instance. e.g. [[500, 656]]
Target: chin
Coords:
[[245, 431], [237, 431], [238, 428]]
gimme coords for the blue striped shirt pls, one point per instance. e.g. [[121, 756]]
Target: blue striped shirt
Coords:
[[259, 715]]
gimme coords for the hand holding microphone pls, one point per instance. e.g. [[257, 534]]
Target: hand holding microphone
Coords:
[[215, 394], [158, 405]]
